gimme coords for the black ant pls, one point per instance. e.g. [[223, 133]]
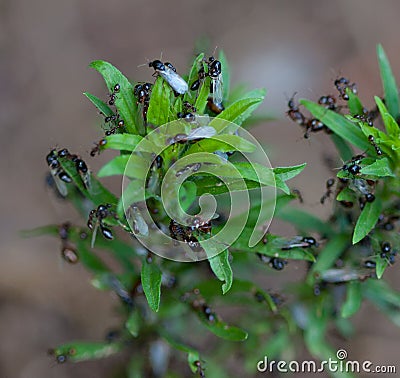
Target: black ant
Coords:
[[371, 139], [113, 95], [199, 305], [365, 117], [188, 115], [300, 242], [329, 102], [60, 177], [298, 194], [199, 369], [354, 167], [118, 124], [142, 93], [97, 148], [96, 218], [274, 262], [294, 112], [342, 84], [328, 192]]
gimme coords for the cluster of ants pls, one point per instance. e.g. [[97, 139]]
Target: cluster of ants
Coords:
[[313, 125], [59, 175], [188, 234], [142, 92]]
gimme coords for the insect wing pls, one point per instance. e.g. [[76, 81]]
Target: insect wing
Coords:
[[201, 132], [94, 233], [60, 184], [174, 80], [85, 179], [218, 90], [137, 221]]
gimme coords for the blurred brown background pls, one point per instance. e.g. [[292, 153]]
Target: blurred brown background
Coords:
[[46, 45]]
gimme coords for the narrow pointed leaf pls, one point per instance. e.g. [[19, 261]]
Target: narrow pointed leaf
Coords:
[[367, 220], [125, 101], [151, 282], [390, 88]]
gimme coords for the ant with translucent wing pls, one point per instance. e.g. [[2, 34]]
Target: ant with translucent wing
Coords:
[[168, 72], [215, 74], [60, 177], [96, 218]]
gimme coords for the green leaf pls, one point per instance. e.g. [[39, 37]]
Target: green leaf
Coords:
[[271, 246], [130, 165], [223, 143], [381, 168], [151, 282], [367, 220], [222, 269], [316, 340], [133, 323], [100, 104], [201, 100], [328, 256], [193, 355], [384, 298], [122, 142], [345, 151], [303, 221], [240, 110], [125, 101], [159, 103], [353, 299], [223, 330], [339, 125], [89, 259], [390, 88], [354, 103], [381, 265], [193, 75], [346, 194], [97, 193], [83, 351], [392, 128], [286, 173]]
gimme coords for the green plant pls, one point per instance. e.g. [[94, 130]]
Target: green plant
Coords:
[[171, 303]]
